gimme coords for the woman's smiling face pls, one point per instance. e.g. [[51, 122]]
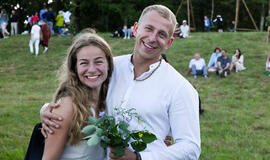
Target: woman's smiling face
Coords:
[[92, 66]]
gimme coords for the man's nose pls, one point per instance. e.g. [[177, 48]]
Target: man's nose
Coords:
[[153, 37]]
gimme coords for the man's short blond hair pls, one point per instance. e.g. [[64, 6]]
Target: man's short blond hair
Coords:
[[164, 11]]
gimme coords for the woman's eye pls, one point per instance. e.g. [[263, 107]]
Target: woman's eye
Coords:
[[82, 63], [99, 62]]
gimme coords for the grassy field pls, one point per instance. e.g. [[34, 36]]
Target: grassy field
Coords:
[[234, 126]]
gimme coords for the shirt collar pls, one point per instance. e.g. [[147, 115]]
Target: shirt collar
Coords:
[[152, 67]]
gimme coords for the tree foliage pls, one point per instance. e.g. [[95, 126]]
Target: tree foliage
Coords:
[[107, 15]]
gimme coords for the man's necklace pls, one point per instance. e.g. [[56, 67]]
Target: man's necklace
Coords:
[[150, 73]]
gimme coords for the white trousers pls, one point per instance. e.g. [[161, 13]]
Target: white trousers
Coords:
[[14, 28], [32, 42]]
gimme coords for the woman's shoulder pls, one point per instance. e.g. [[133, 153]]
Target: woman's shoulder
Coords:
[[65, 109]]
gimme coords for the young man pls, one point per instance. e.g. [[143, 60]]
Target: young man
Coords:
[[206, 24], [140, 81], [223, 64], [14, 23], [184, 28], [197, 66]]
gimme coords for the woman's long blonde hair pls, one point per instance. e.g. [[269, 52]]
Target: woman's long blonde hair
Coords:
[[81, 95]]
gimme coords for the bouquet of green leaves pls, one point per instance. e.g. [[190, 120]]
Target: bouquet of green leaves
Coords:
[[113, 131]]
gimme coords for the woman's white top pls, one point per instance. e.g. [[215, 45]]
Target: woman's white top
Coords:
[[82, 151]]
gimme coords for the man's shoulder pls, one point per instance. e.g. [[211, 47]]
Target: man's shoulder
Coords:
[[219, 58], [36, 26], [178, 82], [121, 58], [192, 60], [228, 58], [174, 74]]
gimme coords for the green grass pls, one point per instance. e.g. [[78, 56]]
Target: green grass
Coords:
[[235, 125]]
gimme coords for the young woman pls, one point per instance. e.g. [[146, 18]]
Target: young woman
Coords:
[[81, 92], [237, 61], [212, 64], [46, 34]]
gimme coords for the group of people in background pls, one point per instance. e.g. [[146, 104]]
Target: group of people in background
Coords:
[[42, 28], [218, 22], [58, 22], [182, 31], [125, 32], [4, 20], [219, 62]]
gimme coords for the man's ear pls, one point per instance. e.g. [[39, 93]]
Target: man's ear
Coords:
[[135, 29], [169, 44]]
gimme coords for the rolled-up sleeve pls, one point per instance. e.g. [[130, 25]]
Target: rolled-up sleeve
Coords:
[[185, 128]]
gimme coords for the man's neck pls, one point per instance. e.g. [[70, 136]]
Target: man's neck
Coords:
[[141, 65]]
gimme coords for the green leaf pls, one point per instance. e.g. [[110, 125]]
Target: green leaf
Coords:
[[123, 125], [105, 139], [87, 137], [99, 131], [94, 140], [103, 144], [116, 140], [88, 130], [138, 146], [92, 120], [148, 137], [135, 135], [119, 151]]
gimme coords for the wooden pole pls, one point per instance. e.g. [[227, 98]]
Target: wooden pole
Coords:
[[188, 9], [268, 28], [268, 36], [179, 7], [244, 2], [236, 14], [192, 15]]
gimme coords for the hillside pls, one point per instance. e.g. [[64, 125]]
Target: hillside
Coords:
[[236, 121]]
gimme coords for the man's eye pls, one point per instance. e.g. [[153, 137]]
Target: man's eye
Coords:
[[148, 28], [162, 35]]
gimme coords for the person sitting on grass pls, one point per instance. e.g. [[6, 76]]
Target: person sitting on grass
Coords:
[[223, 64], [212, 64], [267, 66], [127, 32], [197, 66], [237, 61], [184, 28]]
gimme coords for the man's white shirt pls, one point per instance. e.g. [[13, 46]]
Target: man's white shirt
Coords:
[[198, 63], [167, 103], [184, 30]]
